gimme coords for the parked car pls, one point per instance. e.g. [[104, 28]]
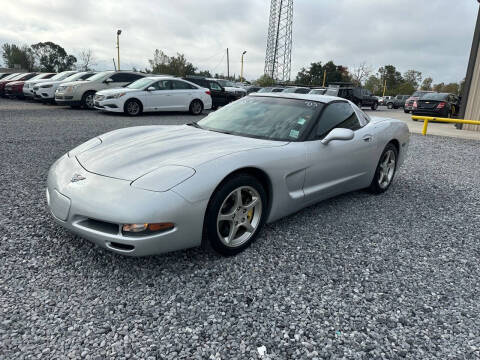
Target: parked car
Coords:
[[220, 96], [232, 88], [45, 91], [27, 89], [30, 84], [437, 104], [397, 102], [19, 77], [296, 90], [147, 190], [16, 89], [320, 91], [382, 100], [415, 96], [156, 93], [81, 93], [253, 89], [4, 75], [359, 96], [271, 89]]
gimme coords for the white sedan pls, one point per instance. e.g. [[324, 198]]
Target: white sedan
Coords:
[[155, 93]]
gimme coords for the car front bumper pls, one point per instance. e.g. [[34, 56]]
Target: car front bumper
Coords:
[[44, 93], [114, 105], [96, 208]]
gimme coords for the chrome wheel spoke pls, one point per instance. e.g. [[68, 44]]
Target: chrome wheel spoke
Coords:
[[249, 227], [231, 235], [252, 204], [226, 217]]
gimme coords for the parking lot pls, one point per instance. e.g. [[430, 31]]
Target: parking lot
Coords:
[[358, 276]]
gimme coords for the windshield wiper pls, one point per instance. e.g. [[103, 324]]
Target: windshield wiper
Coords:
[[194, 124]]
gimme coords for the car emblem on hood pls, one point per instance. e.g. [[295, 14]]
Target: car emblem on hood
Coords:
[[77, 177]]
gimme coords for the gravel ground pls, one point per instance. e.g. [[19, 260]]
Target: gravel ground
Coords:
[[355, 277]]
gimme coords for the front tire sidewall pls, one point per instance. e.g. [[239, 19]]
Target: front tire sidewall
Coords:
[[216, 201], [374, 185], [389, 106], [194, 111], [375, 106], [85, 103], [125, 108]]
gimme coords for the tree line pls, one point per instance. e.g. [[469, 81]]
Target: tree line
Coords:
[[395, 82]]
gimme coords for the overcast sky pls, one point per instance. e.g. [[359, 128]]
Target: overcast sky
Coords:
[[433, 36]]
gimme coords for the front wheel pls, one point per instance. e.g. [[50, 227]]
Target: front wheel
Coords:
[[235, 215], [196, 107], [87, 100], [133, 107], [387, 165], [374, 106], [389, 106]]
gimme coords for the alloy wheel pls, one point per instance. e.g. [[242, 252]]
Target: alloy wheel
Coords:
[[239, 216], [133, 108], [387, 169], [196, 107], [89, 101]]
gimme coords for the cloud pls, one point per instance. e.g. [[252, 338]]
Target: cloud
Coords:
[[433, 37]]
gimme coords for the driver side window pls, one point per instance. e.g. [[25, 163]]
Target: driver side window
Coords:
[[337, 115], [162, 85], [215, 86]]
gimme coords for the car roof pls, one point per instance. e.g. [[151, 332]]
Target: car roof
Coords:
[[321, 98]]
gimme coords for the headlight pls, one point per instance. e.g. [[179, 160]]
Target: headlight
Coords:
[[115, 96], [164, 178], [46, 86], [90, 144]]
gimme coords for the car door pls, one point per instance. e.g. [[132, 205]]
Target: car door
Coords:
[[160, 98], [341, 165], [218, 94], [182, 95]]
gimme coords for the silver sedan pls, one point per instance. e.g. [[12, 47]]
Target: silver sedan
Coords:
[[152, 189]]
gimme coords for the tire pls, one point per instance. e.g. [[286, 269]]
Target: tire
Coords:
[[406, 111], [385, 171], [359, 104], [87, 100], [374, 106], [196, 107], [133, 107], [389, 106], [231, 210]]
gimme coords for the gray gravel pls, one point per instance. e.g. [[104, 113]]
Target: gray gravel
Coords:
[[355, 277]]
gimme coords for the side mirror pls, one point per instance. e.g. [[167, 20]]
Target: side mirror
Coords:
[[108, 81], [338, 134], [151, 88]]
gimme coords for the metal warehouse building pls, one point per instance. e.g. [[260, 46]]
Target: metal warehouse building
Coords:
[[470, 108]]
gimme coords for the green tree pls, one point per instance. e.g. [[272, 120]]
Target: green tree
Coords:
[[374, 84], [52, 57], [14, 55], [427, 84], [265, 80], [171, 65], [393, 78], [314, 75], [412, 77], [405, 88]]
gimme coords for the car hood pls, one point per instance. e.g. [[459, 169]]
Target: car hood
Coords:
[[13, 83], [116, 91], [81, 82], [129, 153]]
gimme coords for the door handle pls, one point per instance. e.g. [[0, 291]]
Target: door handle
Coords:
[[367, 138]]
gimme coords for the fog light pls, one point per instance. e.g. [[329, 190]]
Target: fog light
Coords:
[[146, 228]]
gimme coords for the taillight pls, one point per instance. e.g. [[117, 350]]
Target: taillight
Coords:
[[208, 92], [441, 105], [415, 104]]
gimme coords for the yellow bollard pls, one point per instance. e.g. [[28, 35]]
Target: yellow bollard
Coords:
[[425, 125]]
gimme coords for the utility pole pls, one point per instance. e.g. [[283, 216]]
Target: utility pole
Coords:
[[384, 87], [118, 48], [324, 77], [228, 66], [241, 70]]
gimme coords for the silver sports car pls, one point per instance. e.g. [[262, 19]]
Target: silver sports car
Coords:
[[151, 189]]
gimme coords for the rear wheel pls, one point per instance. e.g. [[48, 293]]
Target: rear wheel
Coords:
[[87, 99], [385, 171], [406, 111], [389, 106], [236, 214], [374, 106], [196, 107], [132, 107]]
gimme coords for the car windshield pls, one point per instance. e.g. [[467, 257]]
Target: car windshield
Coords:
[[60, 76], [100, 75], [332, 92], [290, 90], [140, 83], [317, 92], [39, 76], [265, 90], [264, 117], [434, 96], [75, 76], [225, 83], [419, 93]]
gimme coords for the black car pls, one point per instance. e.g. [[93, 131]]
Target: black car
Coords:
[[437, 104], [359, 96], [219, 96], [253, 89]]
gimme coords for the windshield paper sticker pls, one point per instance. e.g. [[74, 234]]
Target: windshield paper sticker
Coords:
[[294, 133], [301, 121]]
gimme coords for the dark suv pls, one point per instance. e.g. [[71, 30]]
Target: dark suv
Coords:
[[357, 95], [219, 96], [397, 102]]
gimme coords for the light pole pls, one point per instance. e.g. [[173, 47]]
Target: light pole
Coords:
[[241, 70], [118, 48]]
